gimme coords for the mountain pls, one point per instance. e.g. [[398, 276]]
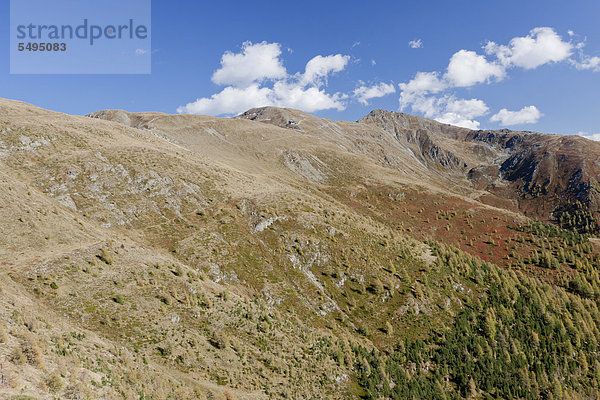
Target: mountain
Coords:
[[281, 255], [549, 177]]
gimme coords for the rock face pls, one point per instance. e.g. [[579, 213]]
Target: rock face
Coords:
[[119, 116], [552, 177], [424, 137]]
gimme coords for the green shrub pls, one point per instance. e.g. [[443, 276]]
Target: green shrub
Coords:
[[119, 299]]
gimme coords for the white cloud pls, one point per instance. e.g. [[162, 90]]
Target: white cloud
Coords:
[[467, 68], [467, 108], [231, 100], [541, 46], [428, 92], [450, 110], [365, 93], [319, 67], [423, 83], [429, 106], [141, 52], [256, 77], [458, 120], [591, 136], [255, 63], [355, 44], [415, 44], [526, 115], [461, 112], [583, 61], [586, 62], [307, 99]]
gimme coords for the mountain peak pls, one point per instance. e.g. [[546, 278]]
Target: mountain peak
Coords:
[[278, 116], [388, 119]]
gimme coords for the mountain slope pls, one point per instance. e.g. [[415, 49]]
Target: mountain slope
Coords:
[[551, 177], [280, 255]]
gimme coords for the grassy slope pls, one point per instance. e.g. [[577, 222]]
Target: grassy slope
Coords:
[[162, 270]]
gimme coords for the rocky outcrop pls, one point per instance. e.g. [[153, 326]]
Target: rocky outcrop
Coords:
[[551, 177], [419, 134]]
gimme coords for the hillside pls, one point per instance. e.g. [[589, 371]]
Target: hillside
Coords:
[[281, 255], [549, 177]]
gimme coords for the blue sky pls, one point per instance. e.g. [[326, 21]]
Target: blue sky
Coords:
[[542, 71]]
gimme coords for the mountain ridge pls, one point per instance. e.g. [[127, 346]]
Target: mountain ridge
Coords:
[[546, 176]]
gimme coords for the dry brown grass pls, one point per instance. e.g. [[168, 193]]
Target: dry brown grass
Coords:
[[144, 259]]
